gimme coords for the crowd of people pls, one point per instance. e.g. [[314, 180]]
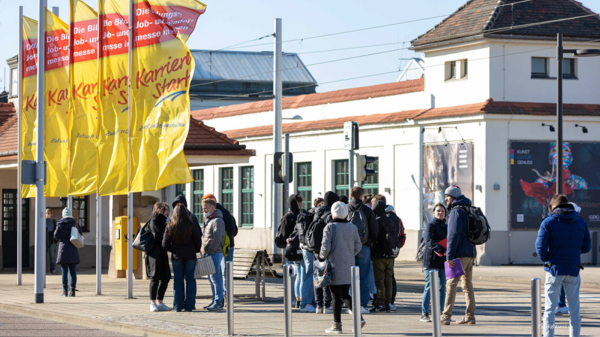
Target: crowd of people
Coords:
[[362, 231]]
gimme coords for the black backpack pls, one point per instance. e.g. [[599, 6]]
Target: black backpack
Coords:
[[478, 230], [292, 249], [314, 233], [302, 223], [388, 240], [280, 240], [359, 219], [421, 250]]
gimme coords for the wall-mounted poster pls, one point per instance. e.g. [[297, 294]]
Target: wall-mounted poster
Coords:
[[533, 181], [443, 166]]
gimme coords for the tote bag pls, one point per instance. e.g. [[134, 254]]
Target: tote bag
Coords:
[[76, 238], [204, 266]]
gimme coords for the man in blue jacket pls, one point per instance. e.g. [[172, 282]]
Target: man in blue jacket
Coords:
[[458, 246], [562, 238]]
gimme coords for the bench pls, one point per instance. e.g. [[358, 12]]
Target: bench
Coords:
[[247, 260]]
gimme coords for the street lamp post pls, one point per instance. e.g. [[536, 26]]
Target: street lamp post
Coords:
[[559, 103]]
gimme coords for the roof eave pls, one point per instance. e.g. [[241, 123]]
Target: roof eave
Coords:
[[446, 42], [536, 37]]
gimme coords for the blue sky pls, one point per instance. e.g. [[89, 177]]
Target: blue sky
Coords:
[[229, 22]]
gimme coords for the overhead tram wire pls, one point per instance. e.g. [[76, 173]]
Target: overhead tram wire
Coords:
[[387, 51]]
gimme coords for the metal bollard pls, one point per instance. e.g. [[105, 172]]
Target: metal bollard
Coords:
[[356, 301], [287, 300], [435, 303], [229, 275], [257, 278], [536, 307], [263, 263]]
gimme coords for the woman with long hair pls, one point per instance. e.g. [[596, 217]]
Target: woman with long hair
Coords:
[[157, 260], [183, 239]]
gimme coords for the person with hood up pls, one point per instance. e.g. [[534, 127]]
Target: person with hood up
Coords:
[[180, 199], [341, 243], [383, 264], [68, 254], [157, 260], [562, 238], [323, 213], [212, 245], [288, 224], [434, 257], [459, 246]]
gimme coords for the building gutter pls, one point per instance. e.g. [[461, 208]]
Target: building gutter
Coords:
[[221, 147], [9, 153]]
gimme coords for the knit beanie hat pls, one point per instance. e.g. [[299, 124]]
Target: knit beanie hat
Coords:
[[66, 213], [210, 196], [453, 191], [339, 210]]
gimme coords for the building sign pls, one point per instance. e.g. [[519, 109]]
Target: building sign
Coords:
[[533, 181], [443, 166]]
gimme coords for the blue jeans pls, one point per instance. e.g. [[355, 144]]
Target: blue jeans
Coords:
[[562, 300], [362, 260], [227, 258], [300, 271], [52, 253], [216, 282], [552, 286], [65, 270], [427, 291], [184, 293], [308, 289]]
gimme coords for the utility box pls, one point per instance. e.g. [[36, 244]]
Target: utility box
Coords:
[[121, 243]]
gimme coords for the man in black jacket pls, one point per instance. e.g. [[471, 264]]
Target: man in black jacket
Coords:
[[180, 199], [363, 259], [288, 224]]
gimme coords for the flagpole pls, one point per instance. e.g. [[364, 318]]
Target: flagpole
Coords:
[[129, 195], [98, 197], [20, 120], [40, 201]]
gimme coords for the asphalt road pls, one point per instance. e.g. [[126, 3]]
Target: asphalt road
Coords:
[[17, 325]]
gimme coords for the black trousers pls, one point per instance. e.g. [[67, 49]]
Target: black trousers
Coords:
[[323, 297], [339, 294], [158, 287], [394, 288]]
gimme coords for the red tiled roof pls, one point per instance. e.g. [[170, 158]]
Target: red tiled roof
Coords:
[[7, 111], [345, 95], [493, 18], [487, 107]]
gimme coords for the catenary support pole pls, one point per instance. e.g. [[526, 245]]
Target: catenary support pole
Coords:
[[40, 201], [435, 303], [129, 194], [286, 179], [287, 300], [356, 309], [277, 91], [229, 275], [536, 307], [559, 115], [19, 199]]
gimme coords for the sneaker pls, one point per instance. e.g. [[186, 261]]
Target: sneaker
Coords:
[[364, 310], [215, 307], [163, 307], [210, 305], [362, 322], [562, 310], [466, 320], [72, 293], [308, 308], [392, 307], [64, 294], [319, 310], [445, 320], [153, 307], [379, 308], [298, 304], [425, 318], [336, 328], [53, 272], [329, 310]]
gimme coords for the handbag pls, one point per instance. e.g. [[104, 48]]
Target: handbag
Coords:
[[292, 250], [144, 240], [76, 238], [323, 271], [204, 266]]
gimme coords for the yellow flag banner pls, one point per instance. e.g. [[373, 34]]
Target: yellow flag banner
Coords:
[[162, 70], [83, 111], [56, 135], [179, 14], [28, 97], [112, 97]]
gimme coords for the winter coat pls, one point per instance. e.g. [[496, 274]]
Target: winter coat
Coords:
[[372, 224], [157, 260], [562, 238], [186, 249], [230, 225], [288, 222], [382, 222], [323, 212], [213, 239], [340, 249], [50, 228], [67, 252], [458, 223], [435, 232], [181, 199]]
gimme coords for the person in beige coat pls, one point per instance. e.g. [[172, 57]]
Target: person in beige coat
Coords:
[[213, 240]]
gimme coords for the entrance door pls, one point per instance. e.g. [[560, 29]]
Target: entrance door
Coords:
[[9, 229]]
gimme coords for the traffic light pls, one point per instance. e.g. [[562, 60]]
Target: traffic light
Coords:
[[361, 172], [281, 166]]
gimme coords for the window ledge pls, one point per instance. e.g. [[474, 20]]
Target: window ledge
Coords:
[[456, 79], [246, 227], [552, 78]]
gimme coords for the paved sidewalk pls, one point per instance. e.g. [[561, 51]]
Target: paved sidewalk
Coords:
[[502, 293]]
